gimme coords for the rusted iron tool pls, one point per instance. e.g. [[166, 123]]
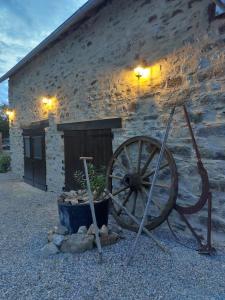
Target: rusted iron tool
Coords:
[[153, 184], [91, 202], [205, 197], [149, 234]]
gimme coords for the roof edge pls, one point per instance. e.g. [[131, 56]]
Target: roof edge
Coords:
[[78, 16]]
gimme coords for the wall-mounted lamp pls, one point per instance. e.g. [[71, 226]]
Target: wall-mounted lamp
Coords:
[[49, 105], [141, 72], [153, 72], [47, 101], [9, 113]]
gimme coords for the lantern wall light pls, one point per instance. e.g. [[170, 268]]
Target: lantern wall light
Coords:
[[47, 101], [152, 72], [9, 113], [141, 72]]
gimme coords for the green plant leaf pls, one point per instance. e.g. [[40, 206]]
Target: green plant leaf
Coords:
[[96, 176]]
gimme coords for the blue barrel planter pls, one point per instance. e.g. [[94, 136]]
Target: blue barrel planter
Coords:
[[76, 215]]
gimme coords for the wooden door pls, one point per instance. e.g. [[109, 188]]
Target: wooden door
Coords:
[[96, 143], [34, 158]]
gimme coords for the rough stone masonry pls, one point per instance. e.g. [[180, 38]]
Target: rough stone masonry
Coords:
[[90, 71]]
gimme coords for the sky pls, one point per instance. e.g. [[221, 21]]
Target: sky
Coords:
[[24, 24]]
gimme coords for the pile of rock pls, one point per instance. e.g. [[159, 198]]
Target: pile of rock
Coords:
[[78, 197], [59, 239]]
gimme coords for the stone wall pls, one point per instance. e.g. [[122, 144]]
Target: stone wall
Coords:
[[90, 72], [54, 156]]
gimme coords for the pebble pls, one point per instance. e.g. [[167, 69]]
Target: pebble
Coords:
[[91, 230], [75, 197], [60, 229], [107, 240], [104, 230], [50, 234], [49, 249], [77, 243], [57, 239], [82, 230]]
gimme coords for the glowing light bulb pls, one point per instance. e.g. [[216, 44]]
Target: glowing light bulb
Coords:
[[141, 72]]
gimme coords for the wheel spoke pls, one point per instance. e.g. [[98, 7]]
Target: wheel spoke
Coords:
[[128, 157], [120, 190], [134, 204], [124, 202], [120, 164], [139, 155], [143, 201], [153, 201], [152, 172], [163, 186], [115, 177], [152, 154]]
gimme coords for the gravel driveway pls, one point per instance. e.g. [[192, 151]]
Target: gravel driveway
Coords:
[[26, 216]]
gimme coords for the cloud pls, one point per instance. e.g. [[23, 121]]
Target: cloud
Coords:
[[3, 92], [24, 24]]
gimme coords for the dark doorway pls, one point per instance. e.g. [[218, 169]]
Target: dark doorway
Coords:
[[96, 143], [34, 158]]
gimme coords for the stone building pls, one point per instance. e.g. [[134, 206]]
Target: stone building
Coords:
[[81, 78]]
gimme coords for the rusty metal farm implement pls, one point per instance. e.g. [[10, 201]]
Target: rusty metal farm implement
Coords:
[[143, 185]]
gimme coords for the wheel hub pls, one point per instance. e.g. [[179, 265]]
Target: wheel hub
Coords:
[[133, 181]]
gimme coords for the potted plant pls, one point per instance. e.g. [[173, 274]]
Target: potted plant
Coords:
[[73, 206]]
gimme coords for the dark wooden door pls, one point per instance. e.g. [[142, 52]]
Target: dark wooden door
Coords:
[[34, 158], [96, 143]]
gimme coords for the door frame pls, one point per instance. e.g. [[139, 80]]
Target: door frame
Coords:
[[104, 124], [96, 143], [34, 130], [92, 124]]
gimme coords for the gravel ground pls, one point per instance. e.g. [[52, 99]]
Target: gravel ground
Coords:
[[26, 216]]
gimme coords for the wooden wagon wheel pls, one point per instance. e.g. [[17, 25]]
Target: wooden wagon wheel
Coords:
[[129, 176]]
